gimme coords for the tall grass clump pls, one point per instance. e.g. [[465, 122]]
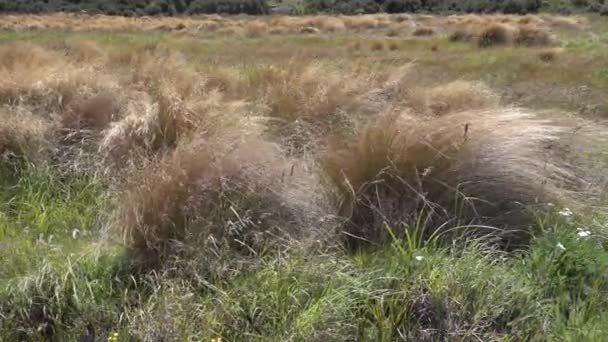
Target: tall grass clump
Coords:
[[494, 34], [452, 97], [208, 195], [23, 136], [476, 167]]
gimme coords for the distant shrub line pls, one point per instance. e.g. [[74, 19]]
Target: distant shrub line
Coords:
[[255, 7]]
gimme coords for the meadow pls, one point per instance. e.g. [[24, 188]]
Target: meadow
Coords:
[[313, 178]]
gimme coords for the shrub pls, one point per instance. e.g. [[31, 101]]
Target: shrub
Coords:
[[604, 10], [400, 6]]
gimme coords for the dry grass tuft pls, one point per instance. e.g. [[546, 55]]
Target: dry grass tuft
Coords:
[[462, 35], [531, 35], [360, 22], [22, 136], [256, 28], [452, 97], [423, 32], [95, 112], [549, 55], [393, 46], [471, 167], [377, 45], [494, 35], [210, 195]]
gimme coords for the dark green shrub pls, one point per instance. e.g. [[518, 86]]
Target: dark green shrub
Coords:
[[400, 6], [580, 3], [604, 10]]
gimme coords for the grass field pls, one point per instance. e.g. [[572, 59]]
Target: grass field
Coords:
[[375, 178]]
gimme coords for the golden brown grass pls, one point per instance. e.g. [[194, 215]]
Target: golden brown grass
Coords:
[[377, 45], [399, 168], [494, 35], [256, 29], [214, 148], [23, 136], [452, 97], [549, 55], [423, 32], [531, 35]]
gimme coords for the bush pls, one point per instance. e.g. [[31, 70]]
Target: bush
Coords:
[[400, 6], [604, 10]]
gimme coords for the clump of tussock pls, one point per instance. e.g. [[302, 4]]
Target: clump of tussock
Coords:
[[23, 136], [302, 91], [327, 23], [255, 29], [377, 45], [462, 35], [477, 167], [423, 32], [549, 55], [494, 34], [238, 194], [95, 112], [151, 124], [452, 97], [360, 22], [531, 35]]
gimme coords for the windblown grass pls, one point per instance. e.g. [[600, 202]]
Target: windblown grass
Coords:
[[199, 178]]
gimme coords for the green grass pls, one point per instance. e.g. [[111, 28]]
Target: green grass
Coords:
[[407, 290]]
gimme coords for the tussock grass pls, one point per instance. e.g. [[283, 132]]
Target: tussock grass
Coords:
[[206, 195], [169, 189], [398, 167], [452, 97], [530, 35], [494, 35], [423, 32], [23, 136], [548, 55]]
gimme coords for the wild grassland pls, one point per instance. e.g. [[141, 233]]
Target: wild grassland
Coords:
[[321, 178]]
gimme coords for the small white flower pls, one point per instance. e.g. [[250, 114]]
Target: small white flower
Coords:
[[560, 246], [566, 212], [419, 257], [583, 233], [75, 234]]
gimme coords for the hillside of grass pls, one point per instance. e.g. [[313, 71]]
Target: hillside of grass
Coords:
[[313, 178]]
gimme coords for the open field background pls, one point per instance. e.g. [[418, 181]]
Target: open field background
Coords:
[[313, 178]]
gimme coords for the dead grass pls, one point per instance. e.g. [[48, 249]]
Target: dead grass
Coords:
[[549, 55], [256, 29], [207, 195], [531, 35], [475, 166], [494, 35], [23, 136], [377, 45], [423, 32], [452, 97]]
